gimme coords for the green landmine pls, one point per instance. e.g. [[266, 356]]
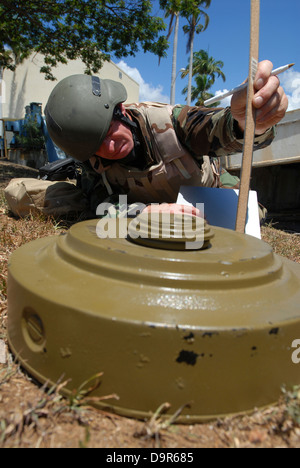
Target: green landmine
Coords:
[[164, 320]]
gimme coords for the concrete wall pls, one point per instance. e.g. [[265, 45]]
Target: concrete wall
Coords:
[[285, 148], [27, 84], [277, 186], [276, 173]]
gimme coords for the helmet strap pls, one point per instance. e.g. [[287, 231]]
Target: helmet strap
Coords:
[[118, 115]]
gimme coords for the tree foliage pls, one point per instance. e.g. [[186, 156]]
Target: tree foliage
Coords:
[[63, 30], [32, 137], [194, 14], [204, 64], [172, 8], [192, 11], [200, 92], [205, 71]]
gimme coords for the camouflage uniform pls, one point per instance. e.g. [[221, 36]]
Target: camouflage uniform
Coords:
[[202, 136]]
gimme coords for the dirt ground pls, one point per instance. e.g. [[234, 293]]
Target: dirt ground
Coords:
[[34, 417]]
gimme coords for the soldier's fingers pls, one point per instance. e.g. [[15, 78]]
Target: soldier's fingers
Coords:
[[264, 95], [273, 111], [272, 103], [263, 73]]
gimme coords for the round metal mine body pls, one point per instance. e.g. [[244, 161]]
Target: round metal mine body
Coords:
[[213, 328]]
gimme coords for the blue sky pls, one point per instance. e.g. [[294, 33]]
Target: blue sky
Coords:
[[227, 39]]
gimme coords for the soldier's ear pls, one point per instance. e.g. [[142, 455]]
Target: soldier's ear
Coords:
[[122, 107]]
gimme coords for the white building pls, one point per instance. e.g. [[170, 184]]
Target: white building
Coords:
[[27, 84]]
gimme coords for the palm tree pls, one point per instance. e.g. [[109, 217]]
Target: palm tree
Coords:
[[172, 8], [205, 70], [199, 93], [194, 15], [203, 64]]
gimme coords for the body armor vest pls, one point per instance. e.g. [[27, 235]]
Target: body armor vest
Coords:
[[174, 166]]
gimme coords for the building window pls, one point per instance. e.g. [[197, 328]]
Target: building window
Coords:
[[120, 75]]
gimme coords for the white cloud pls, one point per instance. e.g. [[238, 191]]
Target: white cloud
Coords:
[[290, 81], [226, 101], [148, 92]]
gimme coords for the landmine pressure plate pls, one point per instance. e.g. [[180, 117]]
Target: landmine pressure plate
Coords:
[[211, 328]]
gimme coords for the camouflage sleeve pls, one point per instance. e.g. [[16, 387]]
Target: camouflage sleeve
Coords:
[[212, 131]]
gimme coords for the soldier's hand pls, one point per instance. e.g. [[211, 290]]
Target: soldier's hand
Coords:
[[174, 208], [269, 100]]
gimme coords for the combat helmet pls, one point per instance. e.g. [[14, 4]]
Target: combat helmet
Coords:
[[79, 112]]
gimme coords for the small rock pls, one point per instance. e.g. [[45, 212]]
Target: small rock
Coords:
[[257, 436]]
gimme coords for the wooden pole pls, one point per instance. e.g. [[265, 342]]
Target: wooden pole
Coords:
[[241, 217]]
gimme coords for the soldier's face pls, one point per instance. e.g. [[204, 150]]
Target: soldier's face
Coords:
[[118, 142]]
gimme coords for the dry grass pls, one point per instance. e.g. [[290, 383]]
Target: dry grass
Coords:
[[284, 244], [32, 416]]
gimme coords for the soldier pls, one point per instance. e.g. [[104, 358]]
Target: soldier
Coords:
[[147, 151]]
